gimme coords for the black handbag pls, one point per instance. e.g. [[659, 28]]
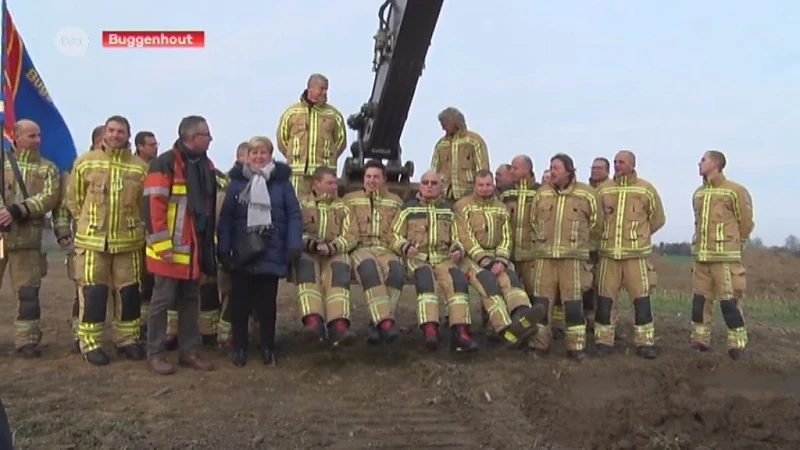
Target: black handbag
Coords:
[[249, 248]]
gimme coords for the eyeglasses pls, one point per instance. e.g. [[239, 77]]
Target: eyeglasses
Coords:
[[429, 182]]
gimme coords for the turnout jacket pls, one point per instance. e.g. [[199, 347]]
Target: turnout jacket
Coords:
[[566, 221], [430, 226], [484, 229], [373, 214], [723, 220], [518, 199], [327, 219]]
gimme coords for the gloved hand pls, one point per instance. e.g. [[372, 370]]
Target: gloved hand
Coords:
[[225, 261], [293, 254]]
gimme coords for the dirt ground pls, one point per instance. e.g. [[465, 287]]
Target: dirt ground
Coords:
[[405, 397]]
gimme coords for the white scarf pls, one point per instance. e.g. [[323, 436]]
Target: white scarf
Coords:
[[256, 196]]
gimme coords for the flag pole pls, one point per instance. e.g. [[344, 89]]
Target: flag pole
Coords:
[[4, 101]]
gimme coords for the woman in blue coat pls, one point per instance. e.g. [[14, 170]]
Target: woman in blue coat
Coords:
[[259, 199]]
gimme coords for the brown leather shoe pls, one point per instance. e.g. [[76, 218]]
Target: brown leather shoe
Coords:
[[196, 362], [161, 366]]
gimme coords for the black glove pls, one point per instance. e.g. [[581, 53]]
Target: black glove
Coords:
[[293, 254], [225, 261]]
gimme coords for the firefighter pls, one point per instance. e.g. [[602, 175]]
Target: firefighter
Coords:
[[32, 189], [104, 196], [503, 177], [322, 274], [210, 303], [311, 134], [485, 234], [600, 171], [546, 176], [377, 268], [632, 212], [458, 155], [425, 233], [147, 149], [723, 212], [61, 219], [566, 220]]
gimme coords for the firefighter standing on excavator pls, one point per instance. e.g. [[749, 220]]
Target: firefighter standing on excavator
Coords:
[[485, 234], [311, 134], [378, 269], [632, 212], [723, 212], [63, 226], [458, 155], [322, 274], [31, 191], [566, 220], [426, 235], [104, 196]]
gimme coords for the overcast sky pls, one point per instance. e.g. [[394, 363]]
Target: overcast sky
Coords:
[[666, 79]]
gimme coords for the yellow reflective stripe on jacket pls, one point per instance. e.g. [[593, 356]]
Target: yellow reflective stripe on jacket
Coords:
[[171, 239]]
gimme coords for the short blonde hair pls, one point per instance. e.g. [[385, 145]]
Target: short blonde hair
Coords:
[[258, 141]]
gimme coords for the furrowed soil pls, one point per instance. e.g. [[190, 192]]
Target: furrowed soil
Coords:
[[404, 397]]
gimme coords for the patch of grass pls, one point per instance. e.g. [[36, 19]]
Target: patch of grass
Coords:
[[767, 309], [678, 260]]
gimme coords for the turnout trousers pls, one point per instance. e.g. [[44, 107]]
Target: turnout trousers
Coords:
[[500, 295], [26, 273], [527, 274], [443, 280], [98, 273], [323, 286], [724, 282], [382, 276], [638, 277], [567, 279]]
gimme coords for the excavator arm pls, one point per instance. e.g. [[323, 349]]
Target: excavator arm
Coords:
[[404, 35]]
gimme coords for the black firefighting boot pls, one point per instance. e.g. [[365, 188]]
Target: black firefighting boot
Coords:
[[313, 328], [134, 352], [460, 340], [339, 333], [430, 331], [30, 351], [210, 340], [97, 357], [524, 325], [374, 335], [388, 331], [172, 342], [736, 353]]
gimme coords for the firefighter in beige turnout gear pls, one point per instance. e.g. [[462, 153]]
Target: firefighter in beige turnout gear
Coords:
[[566, 220], [62, 222], [425, 232], [600, 170], [485, 234], [377, 268], [323, 272], [31, 190], [632, 212], [458, 155], [104, 196], [723, 217], [311, 133]]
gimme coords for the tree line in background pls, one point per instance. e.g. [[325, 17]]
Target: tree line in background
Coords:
[[791, 245]]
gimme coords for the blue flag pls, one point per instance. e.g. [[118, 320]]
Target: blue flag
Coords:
[[24, 96]]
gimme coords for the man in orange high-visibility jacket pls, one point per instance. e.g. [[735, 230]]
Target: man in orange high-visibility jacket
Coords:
[[180, 192]]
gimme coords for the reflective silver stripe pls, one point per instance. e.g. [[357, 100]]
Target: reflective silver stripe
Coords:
[[185, 249], [180, 218], [156, 191], [157, 237]]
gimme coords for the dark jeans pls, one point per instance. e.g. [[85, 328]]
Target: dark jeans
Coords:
[[186, 294], [253, 294]]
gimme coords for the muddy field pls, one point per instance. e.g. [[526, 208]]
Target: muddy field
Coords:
[[405, 397]]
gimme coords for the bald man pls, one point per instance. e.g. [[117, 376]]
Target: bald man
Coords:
[[633, 213], [311, 133], [31, 191], [503, 178], [425, 233]]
